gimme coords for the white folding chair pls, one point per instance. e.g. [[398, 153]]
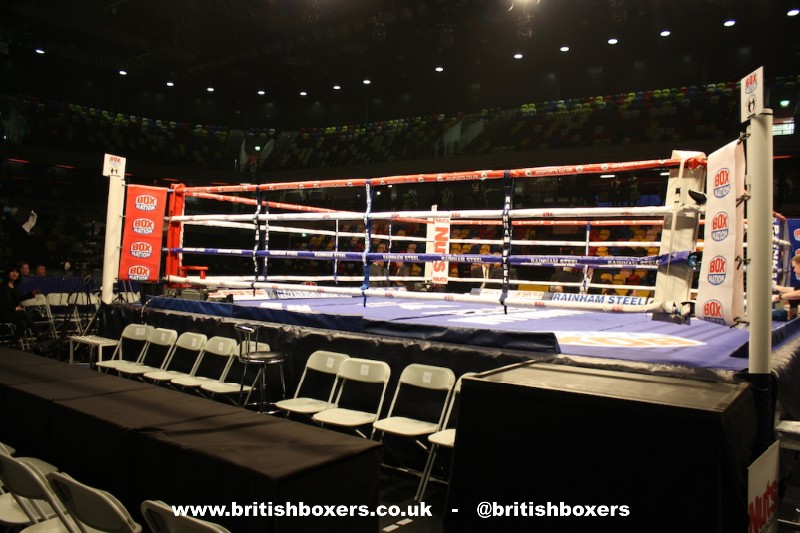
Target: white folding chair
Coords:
[[417, 376], [92, 507], [155, 357], [185, 357], [161, 519], [60, 310], [445, 436], [321, 362], [131, 346], [352, 371], [235, 380], [212, 366], [40, 310], [30, 489]]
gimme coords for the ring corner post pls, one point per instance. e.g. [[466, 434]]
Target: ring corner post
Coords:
[[114, 219], [176, 207]]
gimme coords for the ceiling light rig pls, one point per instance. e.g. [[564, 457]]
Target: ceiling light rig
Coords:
[[518, 55], [564, 48], [613, 40], [729, 23], [170, 84], [793, 12], [665, 33]]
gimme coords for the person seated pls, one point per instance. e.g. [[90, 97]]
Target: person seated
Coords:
[[377, 269], [24, 269], [566, 275], [11, 309], [40, 271]]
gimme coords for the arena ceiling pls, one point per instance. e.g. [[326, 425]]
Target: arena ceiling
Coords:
[[283, 47]]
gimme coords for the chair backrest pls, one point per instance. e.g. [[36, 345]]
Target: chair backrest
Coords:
[[93, 507], [428, 377], [25, 481], [452, 406], [187, 351], [324, 362], [58, 300], [133, 342], [364, 371], [216, 358], [161, 519], [434, 378], [160, 344]]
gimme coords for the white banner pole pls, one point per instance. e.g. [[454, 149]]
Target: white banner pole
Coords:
[[114, 169], [759, 241]]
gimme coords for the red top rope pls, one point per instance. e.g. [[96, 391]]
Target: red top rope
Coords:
[[533, 172]]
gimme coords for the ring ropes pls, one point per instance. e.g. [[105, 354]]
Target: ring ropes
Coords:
[[507, 214]]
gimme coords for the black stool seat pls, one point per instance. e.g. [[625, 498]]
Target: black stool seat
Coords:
[[265, 358], [261, 360]]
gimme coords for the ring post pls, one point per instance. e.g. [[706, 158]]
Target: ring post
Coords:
[[759, 242], [114, 170]]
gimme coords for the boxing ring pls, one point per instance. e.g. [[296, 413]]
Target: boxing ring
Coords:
[[477, 277]]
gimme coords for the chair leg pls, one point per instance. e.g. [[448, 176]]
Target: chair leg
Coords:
[[426, 473]]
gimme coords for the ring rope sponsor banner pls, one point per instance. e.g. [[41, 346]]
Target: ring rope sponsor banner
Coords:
[[644, 263], [142, 233], [720, 295], [556, 212]]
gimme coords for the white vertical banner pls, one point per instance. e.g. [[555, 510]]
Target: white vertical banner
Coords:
[[114, 170], [441, 245], [762, 492], [720, 295]]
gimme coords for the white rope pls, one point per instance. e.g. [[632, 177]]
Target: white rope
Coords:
[[516, 213]]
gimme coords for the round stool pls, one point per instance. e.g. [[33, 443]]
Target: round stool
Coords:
[[262, 360]]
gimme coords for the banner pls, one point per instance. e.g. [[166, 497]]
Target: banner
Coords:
[[762, 492], [439, 241], [140, 257], [720, 294]]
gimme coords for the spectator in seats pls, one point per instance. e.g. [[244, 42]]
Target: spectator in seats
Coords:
[[403, 270], [565, 275], [614, 193], [377, 269], [11, 309], [633, 190], [24, 269], [40, 271]]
